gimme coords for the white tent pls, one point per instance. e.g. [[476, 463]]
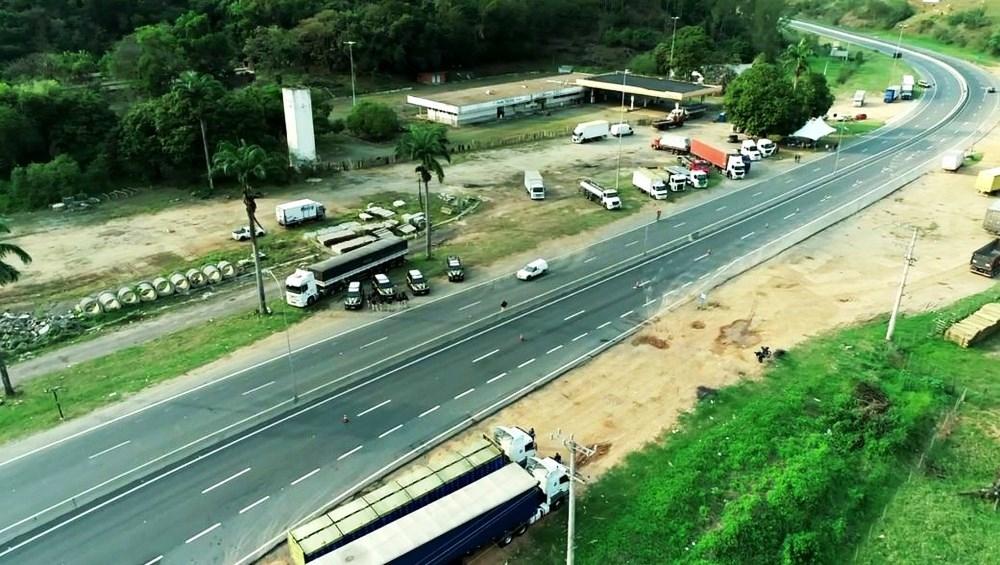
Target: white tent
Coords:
[[814, 129]]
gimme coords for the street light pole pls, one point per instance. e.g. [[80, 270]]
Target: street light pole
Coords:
[[840, 140], [350, 51], [896, 54], [907, 262], [621, 120], [288, 340], [672, 37]]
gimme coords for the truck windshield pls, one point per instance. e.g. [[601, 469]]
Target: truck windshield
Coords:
[[295, 289], [611, 192]]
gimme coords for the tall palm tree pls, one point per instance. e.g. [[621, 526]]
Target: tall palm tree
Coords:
[[243, 161], [426, 144], [796, 57], [200, 91], [8, 274]]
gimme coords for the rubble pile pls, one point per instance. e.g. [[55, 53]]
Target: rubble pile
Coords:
[[23, 332]]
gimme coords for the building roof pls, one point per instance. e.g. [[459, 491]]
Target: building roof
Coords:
[[492, 92], [649, 86]]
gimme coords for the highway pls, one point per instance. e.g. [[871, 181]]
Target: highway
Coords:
[[217, 473]]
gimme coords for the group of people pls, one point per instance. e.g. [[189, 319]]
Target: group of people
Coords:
[[762, 353], [378, 302]]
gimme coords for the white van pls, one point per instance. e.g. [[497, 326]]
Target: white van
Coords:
[[621, 130], [534, 185], [532, 270]]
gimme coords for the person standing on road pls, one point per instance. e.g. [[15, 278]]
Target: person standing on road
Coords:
[[503, 305]]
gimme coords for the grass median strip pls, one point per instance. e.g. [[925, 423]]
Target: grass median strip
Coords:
[[97, 383], [801, 466]]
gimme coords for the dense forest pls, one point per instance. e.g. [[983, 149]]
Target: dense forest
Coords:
[[115, 89]]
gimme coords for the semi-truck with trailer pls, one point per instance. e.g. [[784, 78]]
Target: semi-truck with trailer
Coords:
[[891, 94], [988, 181], [463, 501], [906, 88], [676, 144], [730, 164], [986, 260], [674, 119], [534, 184], [694, 163], [307, 285], [695, 178], [991, 222], [607, 197], [298, 212], [590, 131], [650, 182]]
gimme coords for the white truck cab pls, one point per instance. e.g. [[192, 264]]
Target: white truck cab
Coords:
[[518, 444], [301, 289], [766, 147], [749, 148]]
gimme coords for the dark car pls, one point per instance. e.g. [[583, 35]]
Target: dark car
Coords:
[[355, 298], [456, 272], [417, 283]]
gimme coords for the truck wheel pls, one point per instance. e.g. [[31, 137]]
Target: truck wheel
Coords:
[[520, 531], [505, 540], [310, 301]]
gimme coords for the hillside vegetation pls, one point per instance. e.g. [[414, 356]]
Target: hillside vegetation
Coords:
[[798, 468]]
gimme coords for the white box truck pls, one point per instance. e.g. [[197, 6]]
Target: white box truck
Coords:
[[589, 131], [607, 197], [676, 144], [859, 98], [534, 185], [952, 161], [906, 92], [650, 182], [298, 211], [695, 178]]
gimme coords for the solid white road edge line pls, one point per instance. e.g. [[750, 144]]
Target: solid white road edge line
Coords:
[[226, 480]]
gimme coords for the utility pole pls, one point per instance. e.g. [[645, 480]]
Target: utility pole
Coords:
[[288, 340], [672, 37], [573, 447], [621, 120], [907, 261], [350, 51], [896, 54]]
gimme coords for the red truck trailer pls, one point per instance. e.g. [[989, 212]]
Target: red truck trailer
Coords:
[[731, 164]]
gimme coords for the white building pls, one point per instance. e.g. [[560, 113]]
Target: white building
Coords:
[[299, 125]]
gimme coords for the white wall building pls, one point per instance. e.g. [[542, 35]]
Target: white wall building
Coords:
[[299, 125]]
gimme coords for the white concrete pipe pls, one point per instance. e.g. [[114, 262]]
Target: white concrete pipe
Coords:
[[227, 269], [109, 301], [163, 287], [181, 284], [212, 274], [90, 307], [146, 291], [127, 296], [195, 277]]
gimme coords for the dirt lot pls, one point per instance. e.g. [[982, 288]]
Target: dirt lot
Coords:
[[74, 251]]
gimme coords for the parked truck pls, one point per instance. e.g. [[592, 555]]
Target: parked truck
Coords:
[[891, 94], [906, 88], [988, 181], [694, 177], [306, 286], [986, 260], [952, 161], [766, 147], [674, 119], [730, 164], [590, 131], [694, 163], [676, 144], [490, 490], [607, 197], [534, 185], [859, 98], [651, 182], [991, 222], [298, 211]]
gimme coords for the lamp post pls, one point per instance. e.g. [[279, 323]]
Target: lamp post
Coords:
[[840, 140], [621, 120], [896, 54], [350, 51], [288, 340], [672, 37]]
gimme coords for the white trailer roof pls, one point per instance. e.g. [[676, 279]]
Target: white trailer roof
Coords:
[[439, 517], [296, 203]]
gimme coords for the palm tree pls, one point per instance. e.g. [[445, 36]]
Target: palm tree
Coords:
[[8, 274], [8, 387], [243, 161], [796, 57], [200, 91], [426, 144]]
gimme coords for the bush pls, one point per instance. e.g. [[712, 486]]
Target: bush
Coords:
[[373, 121], [40, 184], [886, 13], [993, 43], [642, 38], [973, 19], [643, 63], [337, 125]]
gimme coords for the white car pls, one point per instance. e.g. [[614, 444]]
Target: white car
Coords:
[[532, 270], [243, 234]]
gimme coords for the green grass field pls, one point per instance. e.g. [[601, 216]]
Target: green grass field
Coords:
[[797, 468], [873, 75]]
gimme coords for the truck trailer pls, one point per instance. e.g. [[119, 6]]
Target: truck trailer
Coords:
[[676, 144], [986, 260], [306, 286], [730, 164], [693, 177], [906, 88], [422, 486], [607, 197], [991, 222], [590, 131], [988, 181], [298, 211], [952, 161], [534, 184], [859, 98], [650, 182]]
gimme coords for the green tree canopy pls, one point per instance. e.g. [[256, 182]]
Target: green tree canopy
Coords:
[[373, 121], [761, 101], [692, 49], [815, 96], [9, 273]]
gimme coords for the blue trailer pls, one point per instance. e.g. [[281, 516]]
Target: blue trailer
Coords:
[[494, 509]]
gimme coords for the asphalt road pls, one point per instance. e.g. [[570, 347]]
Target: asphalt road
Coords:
[[216, 473]]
